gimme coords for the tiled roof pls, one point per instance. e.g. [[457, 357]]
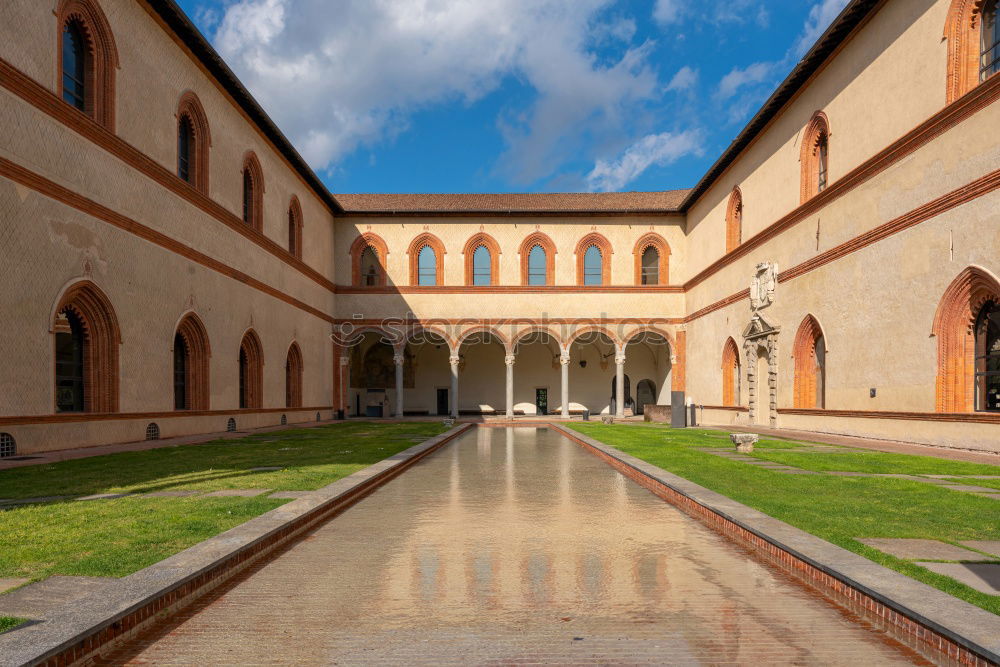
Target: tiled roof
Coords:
[[587, 202]]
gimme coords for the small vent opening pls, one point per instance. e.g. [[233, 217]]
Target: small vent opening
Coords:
[[284, 420], [231, 425], [8, 446], [152, 431]]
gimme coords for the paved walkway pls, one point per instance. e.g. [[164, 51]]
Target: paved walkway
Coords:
[[513, 546]]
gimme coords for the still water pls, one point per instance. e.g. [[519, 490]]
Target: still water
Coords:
[[511, 546]]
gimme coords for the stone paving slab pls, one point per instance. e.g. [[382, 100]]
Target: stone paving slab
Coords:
[[242, 493], [966, 487], [850, 474], [289, 495], [40, 599], [984, 577], [12, 582], [171, 494], [994, 496], [266, 469], [105, 496], [922, 549], [989, 546]]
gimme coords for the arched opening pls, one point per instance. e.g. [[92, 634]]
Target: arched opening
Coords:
[[963, 325], [426, 253], [427, 266], [88, 60], [648, 363], [815, 156], [482, 374], [987, 377], [537, 260], [372, 380], [86, 341], [593, 267], [251, 381], [293, 377], [537, 374], [651, 254], [430, 393], [592, 371], [537, 266], [730, 374], [762, 407], [973, 45], [650, 266], [369, 267], [809, 354], [593, 260], [295, 228], [191, 355], [734, 220], [253, 192], [368, 261], [482, 258], [482, 266], [193, 141]]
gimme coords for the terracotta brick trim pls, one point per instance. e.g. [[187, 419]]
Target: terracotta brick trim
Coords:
[[102, 58], [543, 241], [652, 240], [962, 32], [804, 356], [192, 331], [604, 246], [956, 417], [377, 244], [730, 373], [591, 332], [190, 110], [734, 220], [476, 241], [953, 327], [252, 359], [293, 376], [817, 132], [428, 240], [102, 338]]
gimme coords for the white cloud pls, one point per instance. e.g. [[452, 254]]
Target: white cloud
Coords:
[[337, 76], [666, 12], [653, 149], [820, 17], [685, 79], [740, 77]]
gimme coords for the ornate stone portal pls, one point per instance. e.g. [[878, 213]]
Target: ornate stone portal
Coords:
[[761, 336]]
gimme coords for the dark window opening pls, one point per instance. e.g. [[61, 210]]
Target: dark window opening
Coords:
[[185, 148], [293, 245], [822, 149], [988, 358], [74, 65], [181, 359], [650, 266], [248, 204], [71, 345], [243, 378], [989, 55]]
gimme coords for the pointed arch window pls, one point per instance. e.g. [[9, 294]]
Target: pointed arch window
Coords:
[[295, 228], [293, 377], [185, 148], [537, 254], [368, 261], [181, 369], [537, 266], [253, 192], [88, 60], [482, 266], [251, 372], [191, 354], [734, 220], [809, 353], [74, 65], [426, 253], [86, 346], [482, 256], [989, 42], [70, 345], [731, 374], [815, 157], [593, 260], [193, 141], [650, 266]]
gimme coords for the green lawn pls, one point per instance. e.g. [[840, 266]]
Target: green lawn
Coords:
[[117, 537], [837, 509], [6, 623]]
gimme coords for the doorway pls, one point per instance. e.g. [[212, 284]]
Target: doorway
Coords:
[[645, 394], [542, 400], [442, 401]]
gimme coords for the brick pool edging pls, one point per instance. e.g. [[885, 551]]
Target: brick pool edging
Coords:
[[915, 614], [101, 622]]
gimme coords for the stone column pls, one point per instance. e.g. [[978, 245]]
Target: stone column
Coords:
[[620, 384], [564, 366], [509, 360], [398, 359], [344, 382], [453, 360]]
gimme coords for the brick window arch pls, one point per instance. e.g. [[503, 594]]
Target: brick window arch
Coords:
[[253, 192], [734, 220], [191, 354], [604, 247], [293, 377], [376, 278], [481, 240], [809, 354], [971, 45], [540, 240], [295, 227], [731, 373], [90, 85], [251, 371], [652, 274], [193, 142], [955, 330], [426, 240], [86, 342], [815, 156]]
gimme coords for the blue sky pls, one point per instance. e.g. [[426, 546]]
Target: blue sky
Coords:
[[511, 95]]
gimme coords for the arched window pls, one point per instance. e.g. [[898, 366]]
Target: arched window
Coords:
[[652, 255], [593, 260], [815, 156], [253, 192], [988, 357], [293, 377], [734, 221], [295, 228], [251, 371], [86, 351], [482, 266], [973, 45], [537, 260], [482, 257], [965, 326], [650, 266], [809, 353], [537, 266], [193, 141], [88, 60], [368, 257], [426, 253], [730, 374], [191, 355]]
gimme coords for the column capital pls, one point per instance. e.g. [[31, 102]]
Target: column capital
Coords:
[[344, 361], [454, 360], [564, 359], [398, 359], [509, 359], [620, 359]]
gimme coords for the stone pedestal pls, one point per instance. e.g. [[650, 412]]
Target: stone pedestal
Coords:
[[744, 441], [607, 419]]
